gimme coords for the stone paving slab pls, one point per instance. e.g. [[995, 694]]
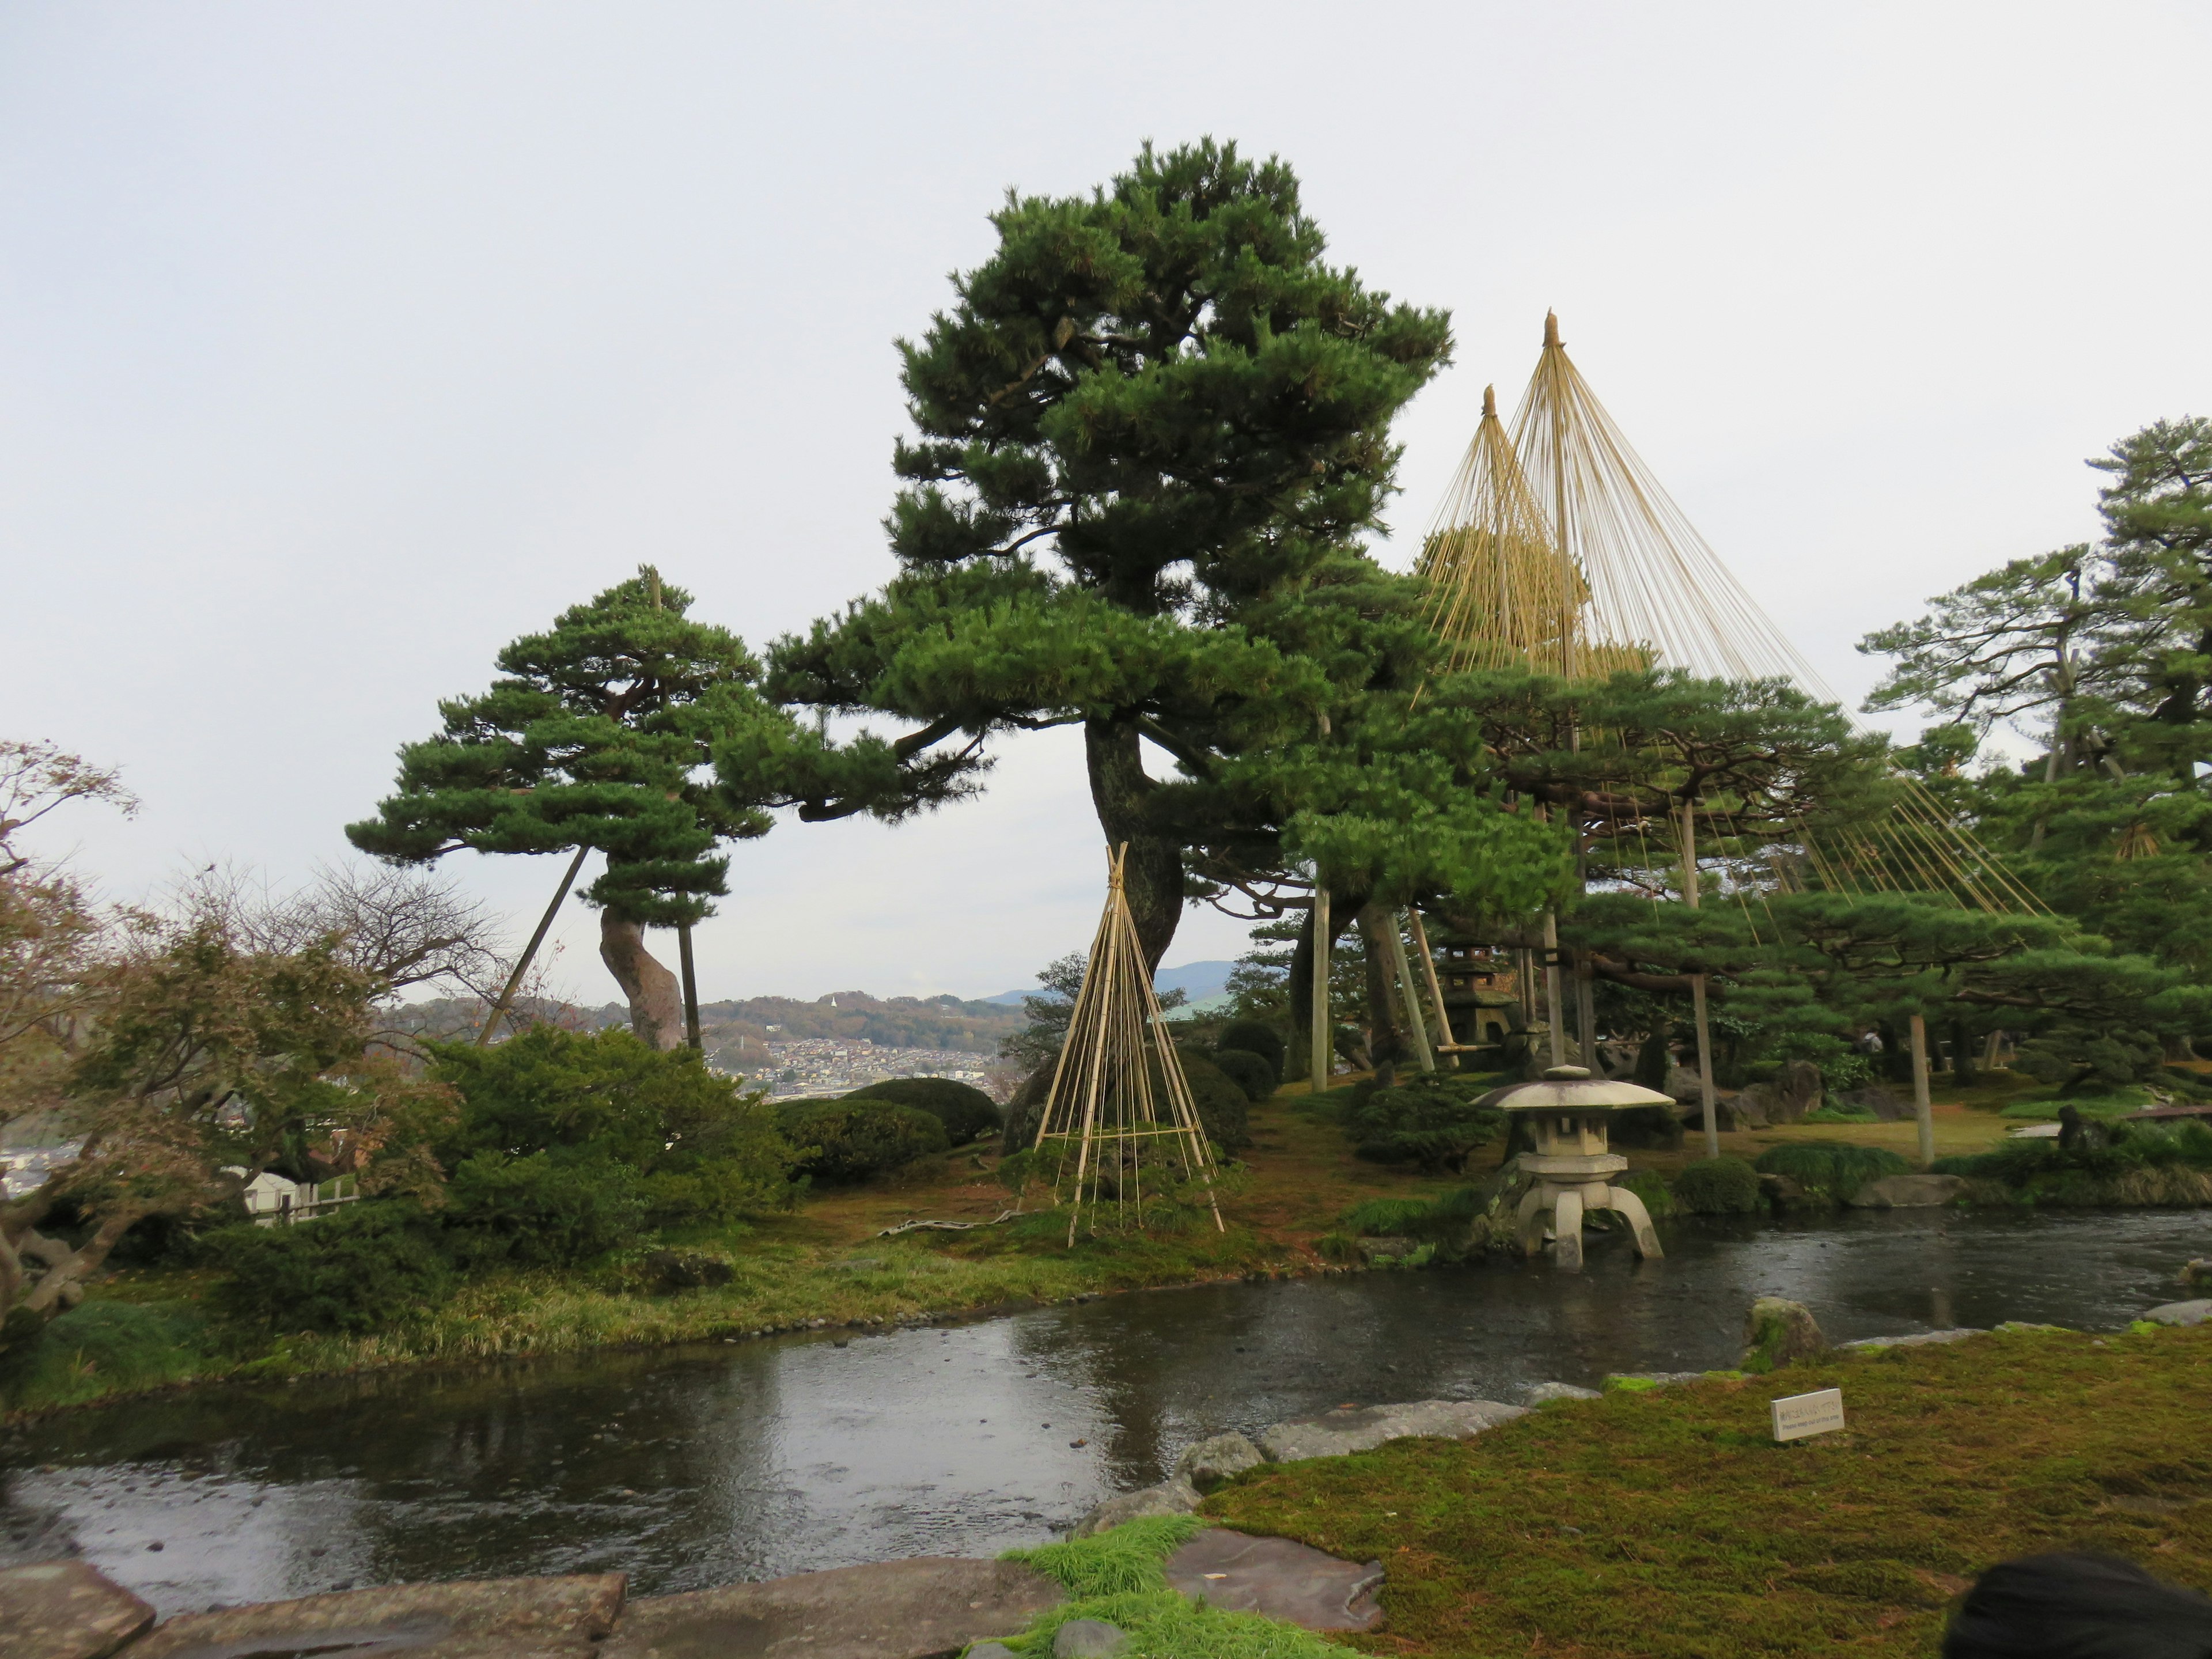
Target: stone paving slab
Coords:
[[482, 1618], [912, 1609], [1278, 1578], [65, 1609], [1356, 1428]]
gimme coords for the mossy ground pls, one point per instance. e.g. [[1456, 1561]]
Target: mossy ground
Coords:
[[1666, 1523]]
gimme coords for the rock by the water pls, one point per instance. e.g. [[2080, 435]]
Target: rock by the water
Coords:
[[1217, 1459], [1542, 1392], [1788, 1193], [1391, 1246], [1277, 1578], [536, 1615], [1956, 1333], [1088, 1639], [1174, 1497], [1778, 1333], [683, 1270], [2181, 1313], [1908, 1192], [2196, 1275], [1362, 1428], [66, 1610], [882, 1610]]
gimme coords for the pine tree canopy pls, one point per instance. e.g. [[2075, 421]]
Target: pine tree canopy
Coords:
[[1149, 436]]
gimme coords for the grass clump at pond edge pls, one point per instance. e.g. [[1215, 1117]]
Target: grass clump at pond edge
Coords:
[[1116, 1577], [1666, 1523], [1833, 1169]]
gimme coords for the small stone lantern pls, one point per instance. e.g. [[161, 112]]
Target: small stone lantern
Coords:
[[1568, 1111]]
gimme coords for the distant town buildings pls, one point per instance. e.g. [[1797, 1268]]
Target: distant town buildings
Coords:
[[836, 1065]]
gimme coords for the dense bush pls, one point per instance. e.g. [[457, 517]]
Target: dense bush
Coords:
[[1647, 1185], [361, 1268], [1254, 1037], [1830, 1169], [1248, 1070], [2120, 1148], [1431, 1121], [852, 1139], [1717, 1185], [592, 1137], [966, 1111], [1221, 1104]]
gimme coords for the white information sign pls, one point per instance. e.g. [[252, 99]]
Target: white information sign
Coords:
[[1799, 1415]]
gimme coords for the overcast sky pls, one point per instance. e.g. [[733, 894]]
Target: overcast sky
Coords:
[[339, 343]]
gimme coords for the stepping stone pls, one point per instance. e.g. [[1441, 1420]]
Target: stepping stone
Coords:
[[1956, 1333], [1278, 1578], [509, 1617], [883, 1610], [1355, 1429], [1543, 1393], [66, 1610]]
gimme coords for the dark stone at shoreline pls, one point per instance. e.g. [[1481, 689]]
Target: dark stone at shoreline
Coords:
[[66, 1610]]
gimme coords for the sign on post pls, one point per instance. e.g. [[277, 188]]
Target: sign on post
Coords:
[[1798, 1415]]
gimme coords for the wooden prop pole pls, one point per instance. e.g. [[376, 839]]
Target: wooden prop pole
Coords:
[[1410, 997], [1447, 1043], [1551, 1011], [690, 986], [1324, 1051], [545, 926], [1924, 1110], [1711, 1114]]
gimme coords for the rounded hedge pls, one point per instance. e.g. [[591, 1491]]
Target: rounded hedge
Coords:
[[361, 1268], [1717, 1185], [1248, 1070], [1254, 1037], [850, 1139], [1221, 1103], [967, 1113]]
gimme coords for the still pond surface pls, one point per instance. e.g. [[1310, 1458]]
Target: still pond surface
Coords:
[[708, 1464]]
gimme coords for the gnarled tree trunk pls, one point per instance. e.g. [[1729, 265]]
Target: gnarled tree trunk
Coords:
[[1386, 1043], [1120, 789], [656, 1001]]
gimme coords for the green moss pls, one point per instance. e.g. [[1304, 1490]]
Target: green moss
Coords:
[[1666, 1523], [1650, 1186], [1842, 1114]]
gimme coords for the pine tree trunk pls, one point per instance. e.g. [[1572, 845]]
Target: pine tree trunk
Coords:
[[1300, 1054], [656, 1001], [1385, 1043], [1153, 877]]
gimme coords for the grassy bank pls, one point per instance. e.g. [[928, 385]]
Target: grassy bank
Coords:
[[1666, 1523]]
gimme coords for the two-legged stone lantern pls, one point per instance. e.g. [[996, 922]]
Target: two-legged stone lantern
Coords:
[[1568, 1111]]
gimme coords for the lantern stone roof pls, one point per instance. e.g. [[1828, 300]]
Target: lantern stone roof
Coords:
[[1571, 1088]]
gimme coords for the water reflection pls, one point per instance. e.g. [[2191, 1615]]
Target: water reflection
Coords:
[[705, 1465]]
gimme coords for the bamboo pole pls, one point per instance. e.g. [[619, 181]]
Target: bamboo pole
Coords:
[[1409, 997], [545, 926], [1710, 1111], [1553, 1019], [1923, 1110], [1324, 1051], [1448, 1041]]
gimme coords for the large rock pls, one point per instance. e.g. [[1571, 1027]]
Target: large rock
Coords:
[[884, 1610], [547, 1616], [1908, 1192], [1356, 1428], [1173, 1497], [2181, 1313], [66, 1610], [1956, 1333], [1542, 1394], [1778, 1333], [2196, 1275], [1884, 1102], [1277, 1578], [1088, 1639], [1217, 1459]]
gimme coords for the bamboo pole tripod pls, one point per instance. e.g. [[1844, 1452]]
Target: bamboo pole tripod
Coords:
[[1119, 1112]]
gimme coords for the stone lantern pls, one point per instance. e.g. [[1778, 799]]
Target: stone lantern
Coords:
[[1568, 1111]]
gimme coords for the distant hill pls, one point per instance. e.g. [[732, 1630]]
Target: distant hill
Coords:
[[1196, 979]]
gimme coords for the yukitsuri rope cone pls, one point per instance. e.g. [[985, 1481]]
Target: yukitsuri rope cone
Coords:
[[1121, 1113]]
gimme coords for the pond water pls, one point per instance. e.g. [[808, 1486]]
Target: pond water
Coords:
[[703, 1465]]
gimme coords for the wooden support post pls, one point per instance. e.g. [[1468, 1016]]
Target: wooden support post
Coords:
[[1324, 1050], [690, 987], [522, 966], [1710, 1109], [1448, 1041], [1924, 1110], [1554, 1014], [1410, 997]]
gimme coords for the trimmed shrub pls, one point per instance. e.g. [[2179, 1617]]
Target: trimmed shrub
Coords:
[[852, 1139], [1221, 1104], [1432, 1122], [1647, 1185], [967, 1113], [1255, 1037], [1831, 1169], [362, 1268], [1248, 1070], [1717, 1185]]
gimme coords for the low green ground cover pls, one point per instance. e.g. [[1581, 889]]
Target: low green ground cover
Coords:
[[1116, 1577], [1830, 1169], [1665, 1523], [2122, 1164]]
